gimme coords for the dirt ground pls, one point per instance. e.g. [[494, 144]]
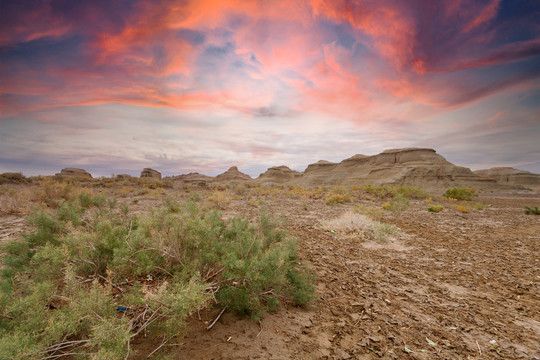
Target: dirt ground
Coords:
[[447, 285]]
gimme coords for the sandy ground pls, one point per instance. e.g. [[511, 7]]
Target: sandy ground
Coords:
[[448, 285]]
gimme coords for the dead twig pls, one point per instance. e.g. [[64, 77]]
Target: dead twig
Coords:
[[479, 350], [112, 284], [216, 319], [59, 346], [128, 349], [61, 355], [155, 315], [260, 328], [159, 347], [213, 275]]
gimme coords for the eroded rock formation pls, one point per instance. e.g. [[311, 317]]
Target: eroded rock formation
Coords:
[[74, 173]]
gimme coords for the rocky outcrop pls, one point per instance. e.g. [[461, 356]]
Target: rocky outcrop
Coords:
[[317, 173], [511, 176], [150, 173], [233, 174], [193, 177], [74, 173], [320, 166], [278, 174], [418, 167]]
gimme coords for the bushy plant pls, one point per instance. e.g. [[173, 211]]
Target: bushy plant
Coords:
[[379, 231], [355, 224], [220, 199], [480, 206], [335, 199], [372, 212], [54, 191], [14, 178], [461, 193], [63, 283], [532, 210], [398, 204], [435, 208]]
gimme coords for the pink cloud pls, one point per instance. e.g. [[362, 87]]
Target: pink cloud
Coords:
[[285, 57], [486, 14]]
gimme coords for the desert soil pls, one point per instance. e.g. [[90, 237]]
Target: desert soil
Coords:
[[447, 285]]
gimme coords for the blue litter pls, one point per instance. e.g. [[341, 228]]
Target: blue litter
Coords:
[[121, 308]]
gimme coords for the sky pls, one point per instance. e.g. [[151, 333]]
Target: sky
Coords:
[[198, 86]]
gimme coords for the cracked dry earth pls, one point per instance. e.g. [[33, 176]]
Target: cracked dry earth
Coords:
[[448, 285]]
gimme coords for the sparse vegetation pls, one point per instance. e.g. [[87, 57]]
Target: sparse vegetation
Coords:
[[13, 178], [480, 206], [461, 193], [337, 199], [398, 204], [220, 199], [435, 208], [408, 192], [532, 210], [253, 202], [355, 224], [90, 278], [372, 212]]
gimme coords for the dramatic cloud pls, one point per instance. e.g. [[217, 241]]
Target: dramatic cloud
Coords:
[[185, 85]]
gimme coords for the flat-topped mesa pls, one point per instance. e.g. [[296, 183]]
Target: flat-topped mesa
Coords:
[[420, 167], [278, 174], [511, 176], [150, 173], [233, 174], [74, 173], [409, 156]]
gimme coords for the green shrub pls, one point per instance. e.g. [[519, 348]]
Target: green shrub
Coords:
[[480, 206], [86, 200], [532, 210], [461, 193], [62, 283], [435, 208], [398, 204]]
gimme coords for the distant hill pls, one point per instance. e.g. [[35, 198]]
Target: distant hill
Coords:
[[419, 167], [511, 176]]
